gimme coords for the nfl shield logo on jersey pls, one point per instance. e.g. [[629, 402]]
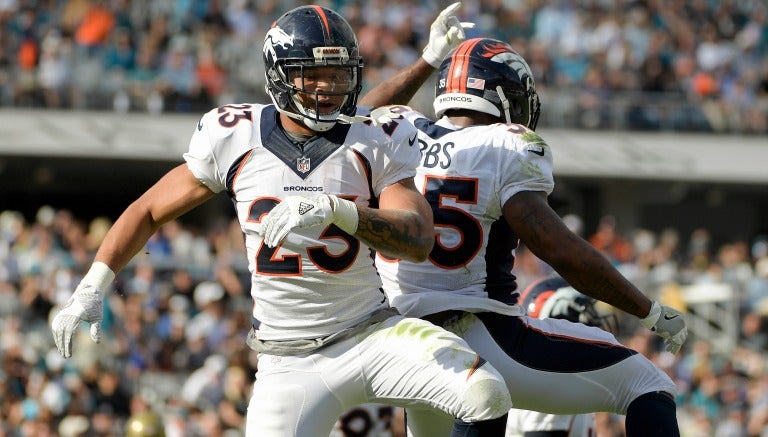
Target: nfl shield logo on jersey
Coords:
[[302, 164]]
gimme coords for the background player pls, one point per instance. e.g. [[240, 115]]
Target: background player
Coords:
[[553, 297], [326, 337], [487, 175]]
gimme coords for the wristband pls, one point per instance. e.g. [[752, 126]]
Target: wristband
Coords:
[[345, 215], [431, 58], [650, 320], [99, 276]]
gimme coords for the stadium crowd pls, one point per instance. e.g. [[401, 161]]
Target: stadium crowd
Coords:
[[173, 341], [176, 320], [669, 65]]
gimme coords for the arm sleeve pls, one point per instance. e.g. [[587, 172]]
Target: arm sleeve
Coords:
[[218, 142], [200, 157], [528, 168], [399, 157]]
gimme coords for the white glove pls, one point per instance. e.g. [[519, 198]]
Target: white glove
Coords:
[[669, 324], [445, 34], [379, 117], [297, 212], [383, 115], [85, 305]]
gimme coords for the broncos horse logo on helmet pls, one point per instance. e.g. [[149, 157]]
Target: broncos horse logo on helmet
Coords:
[[308, 37], [553, 297], [487, 75]]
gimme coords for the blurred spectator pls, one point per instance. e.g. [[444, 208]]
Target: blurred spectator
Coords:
[[54, 70], [119, 60], [609, 240], [177, 327], [177, 80], [210, 75], [95, 26], [615, 65], [699, 65]]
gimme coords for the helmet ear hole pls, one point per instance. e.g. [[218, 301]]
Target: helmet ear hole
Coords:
[[282, 99]]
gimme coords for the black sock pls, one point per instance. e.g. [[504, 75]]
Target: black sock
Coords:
[[485, 428], [652, 415]]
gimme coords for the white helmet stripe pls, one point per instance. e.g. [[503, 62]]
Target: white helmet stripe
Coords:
[[448, 101]]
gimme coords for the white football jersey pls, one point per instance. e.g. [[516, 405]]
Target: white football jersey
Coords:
[[320, 280], [467, 174]]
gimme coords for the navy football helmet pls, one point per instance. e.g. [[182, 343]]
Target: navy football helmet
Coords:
[[487, 75], [554, 298], [304, 38]]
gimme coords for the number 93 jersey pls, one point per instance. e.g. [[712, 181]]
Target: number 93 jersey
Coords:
[[320, 280], [467, 174]]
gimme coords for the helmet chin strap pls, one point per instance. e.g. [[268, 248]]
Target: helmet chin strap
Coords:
[[318, 126], [379, 117], [504, 103]]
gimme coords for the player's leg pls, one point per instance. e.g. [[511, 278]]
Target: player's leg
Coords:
[[422, 422], [413, 363], [525, 423], [491, 427], [652, 414], [560, 367], [291, 399], [429, 422]]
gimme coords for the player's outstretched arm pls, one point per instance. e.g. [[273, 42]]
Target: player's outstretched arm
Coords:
[[578, 262], [402, 226], [400, 88], [445, 33], [174, 194], [585, 268]]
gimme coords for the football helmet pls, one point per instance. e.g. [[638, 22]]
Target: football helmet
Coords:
[[487, 75], [146, 424], [554, 298], [304, 38]]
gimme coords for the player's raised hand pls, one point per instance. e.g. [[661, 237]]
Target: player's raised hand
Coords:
[[85, 305], [445, 34], [297, 212], [669, 324]]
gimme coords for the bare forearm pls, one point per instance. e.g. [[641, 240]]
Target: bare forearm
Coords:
[[399, 89], [588, 271], [396, 233], [126, 238], [577, 261], [176, 193]]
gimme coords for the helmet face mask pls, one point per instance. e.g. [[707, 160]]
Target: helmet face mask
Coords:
[[313, 66], [488, 76]]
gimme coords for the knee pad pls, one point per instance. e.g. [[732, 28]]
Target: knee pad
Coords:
[[486, 396]]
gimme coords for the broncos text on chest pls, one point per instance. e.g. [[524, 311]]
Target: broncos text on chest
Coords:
[[297, 188]]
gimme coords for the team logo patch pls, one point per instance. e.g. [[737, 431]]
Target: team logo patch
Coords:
[[302, 164], [305, 208]]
